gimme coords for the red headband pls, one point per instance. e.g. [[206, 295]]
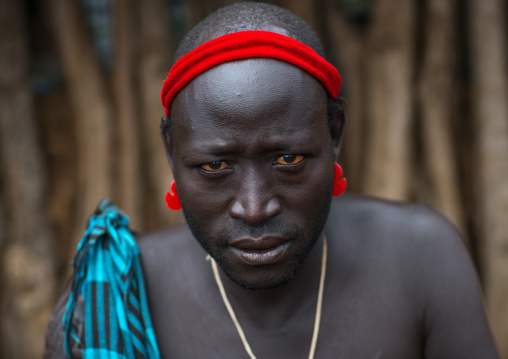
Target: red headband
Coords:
[[243, 45]]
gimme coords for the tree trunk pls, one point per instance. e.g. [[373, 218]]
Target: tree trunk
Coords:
[[91, 104], [348, 49], [128, 174], [389, 101], [27, 265], [195, 13], [155, 62], [3, 220], [488, 45], [436, 98], [59, 143], [304, 9]]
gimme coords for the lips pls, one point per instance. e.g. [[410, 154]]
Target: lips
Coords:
[[260, 251]]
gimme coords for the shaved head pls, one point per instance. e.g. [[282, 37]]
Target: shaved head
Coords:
[[253, 16], [249, 16]]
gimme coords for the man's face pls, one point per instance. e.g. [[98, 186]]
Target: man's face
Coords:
[[253, 163]]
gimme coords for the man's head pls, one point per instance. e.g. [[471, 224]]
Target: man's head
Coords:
[[252, 145], [246, 16]]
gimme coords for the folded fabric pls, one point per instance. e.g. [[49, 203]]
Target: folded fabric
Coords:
[[108, 275]]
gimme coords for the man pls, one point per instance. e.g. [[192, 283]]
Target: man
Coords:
[[252, 141]]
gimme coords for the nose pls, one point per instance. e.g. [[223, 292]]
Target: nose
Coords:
[[255, 201]]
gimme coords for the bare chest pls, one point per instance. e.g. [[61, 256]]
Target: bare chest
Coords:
[[356, 323]]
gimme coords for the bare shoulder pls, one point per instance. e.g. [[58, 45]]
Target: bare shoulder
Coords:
[[385, 214], [163, 242], [170, 256], [414, 251], [419, 244], [166, 251], [400, 226]]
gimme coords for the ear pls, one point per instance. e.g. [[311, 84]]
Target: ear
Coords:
[[336, 131], [167, 138]]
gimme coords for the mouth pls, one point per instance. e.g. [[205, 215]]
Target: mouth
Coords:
[[260, 251]]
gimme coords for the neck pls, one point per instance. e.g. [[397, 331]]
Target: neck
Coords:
[[272, 307]]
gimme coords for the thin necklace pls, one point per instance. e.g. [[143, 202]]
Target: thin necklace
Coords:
[[317, 320]]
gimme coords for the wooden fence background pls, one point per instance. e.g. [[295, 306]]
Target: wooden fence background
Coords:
[[426, 82]]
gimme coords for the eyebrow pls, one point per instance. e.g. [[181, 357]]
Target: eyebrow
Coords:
[[222, 151], [279, 143]]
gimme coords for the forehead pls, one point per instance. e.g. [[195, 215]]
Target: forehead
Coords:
[[251, 95]]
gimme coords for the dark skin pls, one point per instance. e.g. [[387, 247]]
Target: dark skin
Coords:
[[399, 281], [399, 284], [257, 166]]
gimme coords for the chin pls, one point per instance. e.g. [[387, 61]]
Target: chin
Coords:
[[304, 236], [268, 277]]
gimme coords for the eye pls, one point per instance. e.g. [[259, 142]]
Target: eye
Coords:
[[215, 166], [289, 159]]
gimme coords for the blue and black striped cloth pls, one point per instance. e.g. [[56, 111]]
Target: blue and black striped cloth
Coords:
[[107, 273]]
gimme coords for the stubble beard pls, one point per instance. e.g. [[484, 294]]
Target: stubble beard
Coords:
[[242, 229]]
